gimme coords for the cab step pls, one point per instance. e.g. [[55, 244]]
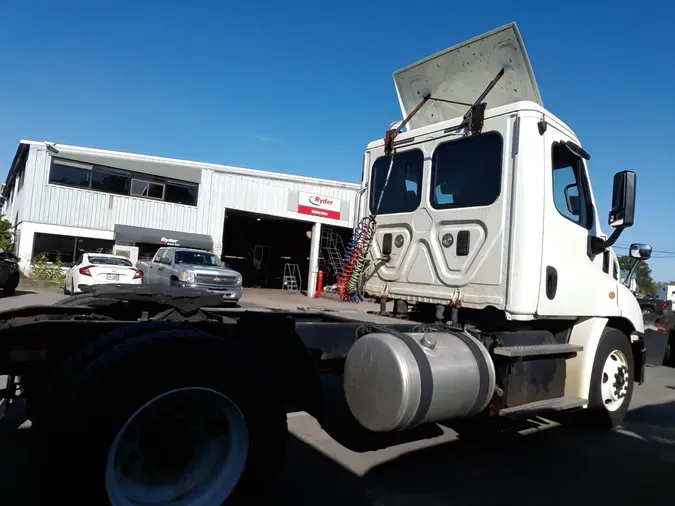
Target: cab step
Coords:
[[532, 350], [538, 407]]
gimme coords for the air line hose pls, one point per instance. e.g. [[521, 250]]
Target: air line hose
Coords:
[[356, 254]]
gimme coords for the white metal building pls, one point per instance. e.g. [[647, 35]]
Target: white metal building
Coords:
[[64, 199]]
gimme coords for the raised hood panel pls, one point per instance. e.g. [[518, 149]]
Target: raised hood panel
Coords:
[[462, 72]]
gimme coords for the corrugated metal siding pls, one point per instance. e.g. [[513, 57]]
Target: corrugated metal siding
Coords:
[[264, 196], [60, 205]]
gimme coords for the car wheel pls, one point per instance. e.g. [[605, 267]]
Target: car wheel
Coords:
[[12, 283], [646, 310], [72, 287]]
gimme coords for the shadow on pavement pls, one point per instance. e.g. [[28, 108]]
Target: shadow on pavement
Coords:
[[559, 466]]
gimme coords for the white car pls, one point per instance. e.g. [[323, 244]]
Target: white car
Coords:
[[98, 269]]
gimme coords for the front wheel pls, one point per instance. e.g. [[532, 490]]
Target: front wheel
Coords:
[[612, 380]]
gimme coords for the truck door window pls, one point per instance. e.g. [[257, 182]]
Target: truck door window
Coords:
[[403, 191], [617, 270], [158, 255], [570, 189], [467, 172]]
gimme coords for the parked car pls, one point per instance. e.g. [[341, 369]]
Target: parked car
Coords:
[[9, 272], [654, 305], [100, 268], [192, 268]]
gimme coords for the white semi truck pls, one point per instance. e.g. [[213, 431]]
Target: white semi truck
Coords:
[[481, 216]]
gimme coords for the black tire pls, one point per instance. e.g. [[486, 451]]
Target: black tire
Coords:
[[65, 289], [647, 310], [12, 283], [112, 378], [597, 414]]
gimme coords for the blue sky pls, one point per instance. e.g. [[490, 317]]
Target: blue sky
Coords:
[[302, 87]]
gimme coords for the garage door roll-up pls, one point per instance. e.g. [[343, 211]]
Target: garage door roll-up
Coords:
[[126, 234]]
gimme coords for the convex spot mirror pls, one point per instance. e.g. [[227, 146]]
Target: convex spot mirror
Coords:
[[640, 251], [572, 198], [622, 214]]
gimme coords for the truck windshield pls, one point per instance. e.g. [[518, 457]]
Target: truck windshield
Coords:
[[403, 191], [467, 172], [197, 258]]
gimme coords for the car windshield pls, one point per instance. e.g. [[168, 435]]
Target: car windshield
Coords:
[[197, 258], [123, 262]]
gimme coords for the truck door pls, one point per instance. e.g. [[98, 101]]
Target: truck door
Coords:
[[154, 265], [572, 283]]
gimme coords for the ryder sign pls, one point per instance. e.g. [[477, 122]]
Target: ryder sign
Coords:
[[319, 205]]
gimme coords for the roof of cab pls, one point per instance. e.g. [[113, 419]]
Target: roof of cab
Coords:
[[522, 107]]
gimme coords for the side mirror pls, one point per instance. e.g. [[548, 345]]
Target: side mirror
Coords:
[[640, 251], [165, 261], [572, 199], [623, 200]]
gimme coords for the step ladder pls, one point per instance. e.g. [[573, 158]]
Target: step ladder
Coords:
[[332, 250], [292, 280]]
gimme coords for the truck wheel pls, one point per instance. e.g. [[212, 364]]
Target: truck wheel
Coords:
[[168, 417], [612, 380]]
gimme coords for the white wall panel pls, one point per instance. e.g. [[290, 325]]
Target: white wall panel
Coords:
[[268, 193]]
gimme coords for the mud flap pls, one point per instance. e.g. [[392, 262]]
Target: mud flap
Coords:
[[640, 358]]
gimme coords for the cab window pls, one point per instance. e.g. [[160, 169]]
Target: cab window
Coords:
[[467, 172], [403, 192], [570, 188]]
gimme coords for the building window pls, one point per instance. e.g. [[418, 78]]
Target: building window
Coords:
[[147, 189], [69, 175], [467, 172], [122, 182], [109, 180], [65, 248], [181, 193]]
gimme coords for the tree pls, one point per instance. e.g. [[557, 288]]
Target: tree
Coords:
[[643, 274], [6, 235]]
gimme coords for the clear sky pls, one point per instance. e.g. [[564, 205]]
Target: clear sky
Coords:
[[302, 87]]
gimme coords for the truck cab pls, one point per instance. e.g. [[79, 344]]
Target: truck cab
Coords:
[[502, 217]]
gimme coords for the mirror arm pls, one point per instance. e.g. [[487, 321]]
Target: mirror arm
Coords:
[[631, 271], [597, 245]]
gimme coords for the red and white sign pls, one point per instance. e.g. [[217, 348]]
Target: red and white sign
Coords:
[[319, 205]]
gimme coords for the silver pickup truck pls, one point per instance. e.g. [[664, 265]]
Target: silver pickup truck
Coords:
[[193, 268]]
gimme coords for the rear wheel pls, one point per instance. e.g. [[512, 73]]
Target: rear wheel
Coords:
[[171, 416]]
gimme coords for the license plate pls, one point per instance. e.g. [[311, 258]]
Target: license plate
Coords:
[[112, 277]]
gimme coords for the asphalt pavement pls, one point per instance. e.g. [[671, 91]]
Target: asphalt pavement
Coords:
[[550, 465]]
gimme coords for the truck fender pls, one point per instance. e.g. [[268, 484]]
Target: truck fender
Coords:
[[587, 332]]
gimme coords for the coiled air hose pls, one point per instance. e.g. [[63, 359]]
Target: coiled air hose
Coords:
[[356, 253]]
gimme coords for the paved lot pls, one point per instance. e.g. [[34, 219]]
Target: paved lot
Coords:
[[553, 466]]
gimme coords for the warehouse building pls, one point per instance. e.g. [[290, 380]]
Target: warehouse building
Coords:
[[65, 200]]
